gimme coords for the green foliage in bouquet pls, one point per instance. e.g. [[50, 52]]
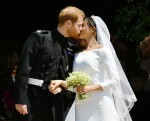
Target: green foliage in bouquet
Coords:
[[78, 78]]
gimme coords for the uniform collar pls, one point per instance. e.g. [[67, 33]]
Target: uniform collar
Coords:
[[66, 42]]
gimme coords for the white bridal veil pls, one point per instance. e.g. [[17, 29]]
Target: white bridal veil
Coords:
[[124, 98]]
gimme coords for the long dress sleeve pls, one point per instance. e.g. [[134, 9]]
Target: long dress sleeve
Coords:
[[111, 74]]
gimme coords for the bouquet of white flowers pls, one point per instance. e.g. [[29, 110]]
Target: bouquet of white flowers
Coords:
[[78, 78]]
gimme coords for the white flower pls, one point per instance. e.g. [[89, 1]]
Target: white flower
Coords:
[[78, 78]]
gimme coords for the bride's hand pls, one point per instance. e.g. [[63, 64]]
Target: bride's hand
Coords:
[[83, 89]]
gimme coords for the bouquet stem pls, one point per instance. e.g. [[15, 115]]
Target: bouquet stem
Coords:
[[82, 96]]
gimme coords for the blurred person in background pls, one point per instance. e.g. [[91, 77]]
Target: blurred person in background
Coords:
[[145, 59]]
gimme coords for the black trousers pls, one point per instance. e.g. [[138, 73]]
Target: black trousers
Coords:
[[18, 117], [43, 106]]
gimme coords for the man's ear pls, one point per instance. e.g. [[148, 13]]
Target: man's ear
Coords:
[[69, 22]]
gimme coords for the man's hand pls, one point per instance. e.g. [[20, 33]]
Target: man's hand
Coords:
[[56, 90], [21, 108]]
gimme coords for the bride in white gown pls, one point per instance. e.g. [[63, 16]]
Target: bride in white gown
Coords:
[[110, 96]]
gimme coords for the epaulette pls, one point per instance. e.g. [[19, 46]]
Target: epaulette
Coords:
[[42, 31]]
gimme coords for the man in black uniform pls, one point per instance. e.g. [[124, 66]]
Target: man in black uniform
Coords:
[[46, 55]]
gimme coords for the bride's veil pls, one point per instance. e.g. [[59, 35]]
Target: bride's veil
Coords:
[[123, 95]]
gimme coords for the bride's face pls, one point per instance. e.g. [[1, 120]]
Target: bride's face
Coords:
[[85, 35]]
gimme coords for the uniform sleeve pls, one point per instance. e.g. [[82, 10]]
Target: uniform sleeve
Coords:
[[111, 73], [27, 58]]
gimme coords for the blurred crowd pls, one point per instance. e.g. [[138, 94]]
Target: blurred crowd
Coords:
[[138, 74], [8, 66]]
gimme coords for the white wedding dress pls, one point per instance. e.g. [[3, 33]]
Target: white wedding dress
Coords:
[[99, 105]]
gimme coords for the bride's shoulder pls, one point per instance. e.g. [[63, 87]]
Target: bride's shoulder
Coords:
[[100, 47], [103, 49]]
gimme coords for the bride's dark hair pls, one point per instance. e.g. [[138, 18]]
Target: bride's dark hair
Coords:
[[90, 22]]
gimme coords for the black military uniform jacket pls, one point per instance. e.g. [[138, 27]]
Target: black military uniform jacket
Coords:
[[46, 55]]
